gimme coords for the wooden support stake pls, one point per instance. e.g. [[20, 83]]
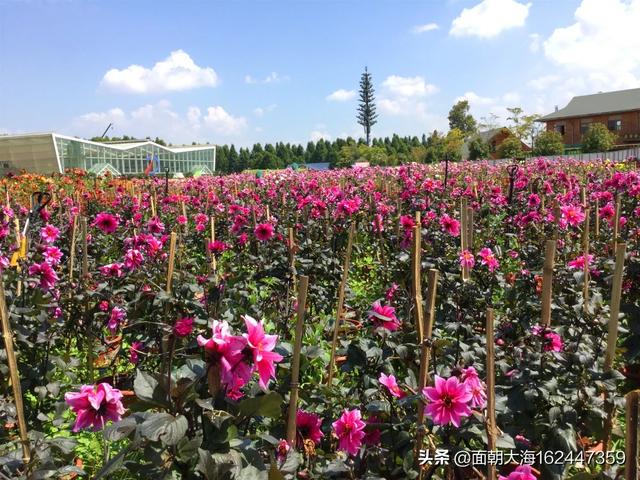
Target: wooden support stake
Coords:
[[631, 443], [292, 256], [547, 281], [612, 334], [303, 285], [341, 288], [425, 354], [14, 374], [585, 255], [616, 225], [85, 253], [492, 428], [172, 258], [470, 228], [214, 264], [597, 225], [464, 230], [416, 261]]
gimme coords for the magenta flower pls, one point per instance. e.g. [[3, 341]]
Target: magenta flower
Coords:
[[112, 270], [52, 255], [476, 387], [448, 401], [261, 346], [308, 428], [552, 341], [155, 225], [466, 259], [264, 231], [48, 276], [133, 258], [217, 246], [571, 215], [115, 319], [106, 222], [183, 327], [488, 259], [391, 384], [522, 472], [384, 316], [49, 233], [450, 225], [95, 406], [578, 263], [134, 350], [391, 291], [349, 429]]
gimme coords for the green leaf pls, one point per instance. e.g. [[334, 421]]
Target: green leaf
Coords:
[[119, 430], [268, 405], [149, 390], [505, 441], [165, 427]]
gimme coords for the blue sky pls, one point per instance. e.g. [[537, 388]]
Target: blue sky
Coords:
[[267, 71]]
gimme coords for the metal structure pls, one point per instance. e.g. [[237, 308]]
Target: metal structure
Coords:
[[51, 152]]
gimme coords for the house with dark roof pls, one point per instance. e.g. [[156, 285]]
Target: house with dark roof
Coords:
[[493, 137], [619, 111]]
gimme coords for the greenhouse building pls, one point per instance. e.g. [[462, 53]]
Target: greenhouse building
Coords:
[[48, 153]]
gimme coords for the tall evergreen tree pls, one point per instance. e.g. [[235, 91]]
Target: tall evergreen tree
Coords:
[[367, 109]]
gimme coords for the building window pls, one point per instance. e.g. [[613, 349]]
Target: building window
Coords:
[[584, 125], [614, 124], [559, 127]]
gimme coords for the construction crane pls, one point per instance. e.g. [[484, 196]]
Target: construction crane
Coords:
[[106, 130]]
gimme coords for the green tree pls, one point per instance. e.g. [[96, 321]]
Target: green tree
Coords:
[[548, 143], [511, 147], [367, 109], [478, 149], [598, 138], [435, 148], [460, 118], [525, 127], [453, 142]]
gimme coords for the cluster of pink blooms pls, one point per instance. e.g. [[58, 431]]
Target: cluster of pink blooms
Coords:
[[450, 400], [384, 316], [106, 222], [238, 357], [349, 429], [94, 406], [552, 341]]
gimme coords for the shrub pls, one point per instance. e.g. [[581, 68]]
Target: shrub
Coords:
[[598, 138], [478, 149], [511, 147], [549, 143]]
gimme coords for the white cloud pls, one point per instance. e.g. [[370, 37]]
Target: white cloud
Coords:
[[543, 82], [489, 18], [159, 119], [273, 77], [175, 73], [428, 27], [474, 99], [534, 46], [408, 86], [319, 135], [341, 95], [598, 45], [260, 111]]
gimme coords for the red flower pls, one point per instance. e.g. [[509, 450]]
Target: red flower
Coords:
[[183, 327], [308, 428], [264, 231], [106, 222]]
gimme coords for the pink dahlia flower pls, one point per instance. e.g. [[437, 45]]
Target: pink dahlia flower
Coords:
[[391, 384], [134, 350], [448, 401], [571, 215], [578, 263], [384, 316], [52, 255], [106, 222], [450, 225], [261, 346], [349, 429], [488, 259], [466, 259], [308, 428], [48, 276], [115, 319], [112, 270], [264, 231], [95, 406], [49, 233], [183, 327], [552, 341]]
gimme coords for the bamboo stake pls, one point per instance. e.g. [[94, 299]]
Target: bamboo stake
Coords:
[[343, 284], [295, 362], [292, 257], [585, 255], [616, 224], [612, 335], [14, 375], [492, 428], [85, 253], [172, 258], [214, 264], [631, 443], [597, 225], [470, 228], [547, 281], [425, 355], [416, 277], [152, 201], [464, 230]]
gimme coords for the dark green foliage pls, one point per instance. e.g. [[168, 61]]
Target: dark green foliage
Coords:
[[367, 109], [598, 138], [548, 143]]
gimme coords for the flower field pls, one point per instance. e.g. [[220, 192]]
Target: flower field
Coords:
[[366, 323]]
